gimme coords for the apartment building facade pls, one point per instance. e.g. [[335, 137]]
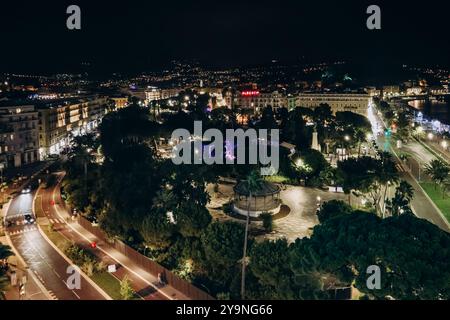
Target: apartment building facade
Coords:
[[354, 102], [256, 100], [19, 142], [60, 120]]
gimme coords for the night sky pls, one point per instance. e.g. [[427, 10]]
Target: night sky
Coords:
[[144, 35]]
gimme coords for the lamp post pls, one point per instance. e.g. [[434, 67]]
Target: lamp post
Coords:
[[347, 139], [2, 166], [319, 201], [145, 248], [2, 186], [444, 145]]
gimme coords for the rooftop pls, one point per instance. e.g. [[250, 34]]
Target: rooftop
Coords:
[[265, 189]]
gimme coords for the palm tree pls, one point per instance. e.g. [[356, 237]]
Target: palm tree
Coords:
[[402, 198], [5, 253], [81, 152], [360, 137], [438, 172], [252, 184], [387, 175]]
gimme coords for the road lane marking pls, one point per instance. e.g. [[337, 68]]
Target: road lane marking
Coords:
[[76, 295], [57, 274]]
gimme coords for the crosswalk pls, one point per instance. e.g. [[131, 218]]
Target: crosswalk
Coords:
[[21, 231], [51, 220], [21, 222], [52, 295], [56, 221]]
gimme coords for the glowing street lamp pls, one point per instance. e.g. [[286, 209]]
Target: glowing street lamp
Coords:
[[430, 136], [299, 163], [444, 144]]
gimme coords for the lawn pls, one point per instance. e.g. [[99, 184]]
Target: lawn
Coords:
[[105, 280], [57, 238], [108, 283], [435, 193]]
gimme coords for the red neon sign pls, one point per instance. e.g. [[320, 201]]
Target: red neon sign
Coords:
[[251, 93]]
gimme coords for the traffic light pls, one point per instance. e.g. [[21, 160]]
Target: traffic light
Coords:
[[387, 132]]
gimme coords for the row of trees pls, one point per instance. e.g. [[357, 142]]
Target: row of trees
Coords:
[[150, 203], [412, 255], [342, 130], [372, 177]]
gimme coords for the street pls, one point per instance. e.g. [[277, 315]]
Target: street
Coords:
[[145, 284], [421, 204], [42, 259]]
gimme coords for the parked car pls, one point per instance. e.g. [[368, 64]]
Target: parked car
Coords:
[[29, 219]]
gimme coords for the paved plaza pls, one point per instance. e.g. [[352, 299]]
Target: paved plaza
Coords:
[[301, 201]]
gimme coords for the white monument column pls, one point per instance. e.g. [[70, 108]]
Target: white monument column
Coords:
[[315, 142]]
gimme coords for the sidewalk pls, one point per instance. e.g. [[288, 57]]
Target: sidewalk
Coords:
[[144, 283]]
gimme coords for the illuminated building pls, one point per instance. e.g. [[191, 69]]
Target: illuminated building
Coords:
[[19, 142], [61, 119], [391, 90], [414, 91], [152, 94], [120, 102], [256, 100], [357, 103], [156, 94]]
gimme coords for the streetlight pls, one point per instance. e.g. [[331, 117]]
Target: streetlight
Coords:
[[430, 136], [299, 162], [347, 138], [444, 144]]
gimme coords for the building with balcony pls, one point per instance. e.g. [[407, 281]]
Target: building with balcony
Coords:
[[19, 142], [354, 102], [256, 100], [60, 120]]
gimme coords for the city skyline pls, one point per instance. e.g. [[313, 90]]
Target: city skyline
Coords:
[[233, 151]]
